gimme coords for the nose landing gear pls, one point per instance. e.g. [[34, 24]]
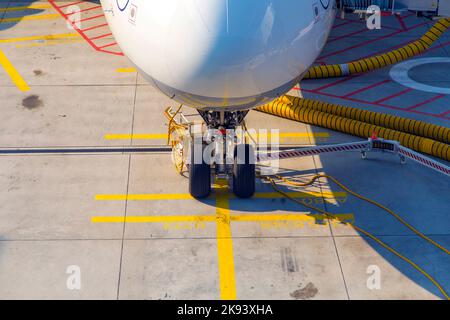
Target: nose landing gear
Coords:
[[213, 151]]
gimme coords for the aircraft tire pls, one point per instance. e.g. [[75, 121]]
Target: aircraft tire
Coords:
[[244, 177], [199, 177]]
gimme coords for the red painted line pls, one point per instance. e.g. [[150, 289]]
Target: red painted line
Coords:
[[409, 15], [387, 49], [370, 41], [108, 45], [81, 32], [401, 45], [322, 63], [445, 113], [102, 36], [380, 105], [334, 83], [364, 23], [72, 23], [341, 24], [440, 46], [366, 88], [401, 22], [112, 52], [394, 95], [348, 35], [84, 10], [94, 27], [426, 101], [70, 4], [92, 18]]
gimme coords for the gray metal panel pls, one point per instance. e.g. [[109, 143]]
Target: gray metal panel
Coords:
[[422, 5], [444, 8]]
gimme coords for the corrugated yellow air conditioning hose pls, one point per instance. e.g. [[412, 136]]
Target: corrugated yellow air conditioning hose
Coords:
[[415, 127], [379, 61], [355, 127]]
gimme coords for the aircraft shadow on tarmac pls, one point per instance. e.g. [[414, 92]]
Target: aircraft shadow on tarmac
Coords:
[[23, 13], [416, 193]]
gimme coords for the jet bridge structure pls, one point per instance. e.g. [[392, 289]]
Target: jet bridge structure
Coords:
[[432, 8]]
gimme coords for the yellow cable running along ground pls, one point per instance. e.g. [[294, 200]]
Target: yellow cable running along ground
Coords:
[[332, 216], [405, 223]]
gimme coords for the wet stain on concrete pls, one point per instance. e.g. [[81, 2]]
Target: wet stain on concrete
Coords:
[[32, 102], [288, 261], [308, 292]]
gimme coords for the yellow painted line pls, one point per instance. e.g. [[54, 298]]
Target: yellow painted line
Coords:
[[293, 135], [305, 194], [48, 43], [237, 218], [160, 136], [151, 197], [152, 136], [152, 219], [186, 196], [126, 70], [225, 244], [272, 217], [23, 8], [13, 73], [46, 37], [28, 18], [289, 217]]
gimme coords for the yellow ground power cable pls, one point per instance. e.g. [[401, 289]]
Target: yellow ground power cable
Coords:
[[400, 219], [415, 127], [376, 239], [379, 61], [357, 128]]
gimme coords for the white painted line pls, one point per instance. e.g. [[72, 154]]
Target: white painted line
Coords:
[[399, 73]]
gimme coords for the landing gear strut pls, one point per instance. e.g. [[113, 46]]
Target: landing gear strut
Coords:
[[217, 150]]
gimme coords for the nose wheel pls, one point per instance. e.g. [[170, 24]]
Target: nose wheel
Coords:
[[244, 171], [229, 157], [199, 175]]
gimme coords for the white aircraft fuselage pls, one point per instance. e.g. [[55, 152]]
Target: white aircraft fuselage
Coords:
[[221, 54]]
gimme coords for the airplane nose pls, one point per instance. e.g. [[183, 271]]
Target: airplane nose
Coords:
[[230, 49], [226, 53], [224, 65]]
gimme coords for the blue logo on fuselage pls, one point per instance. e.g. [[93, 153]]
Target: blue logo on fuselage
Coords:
[[325, 4], [122, 4]]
